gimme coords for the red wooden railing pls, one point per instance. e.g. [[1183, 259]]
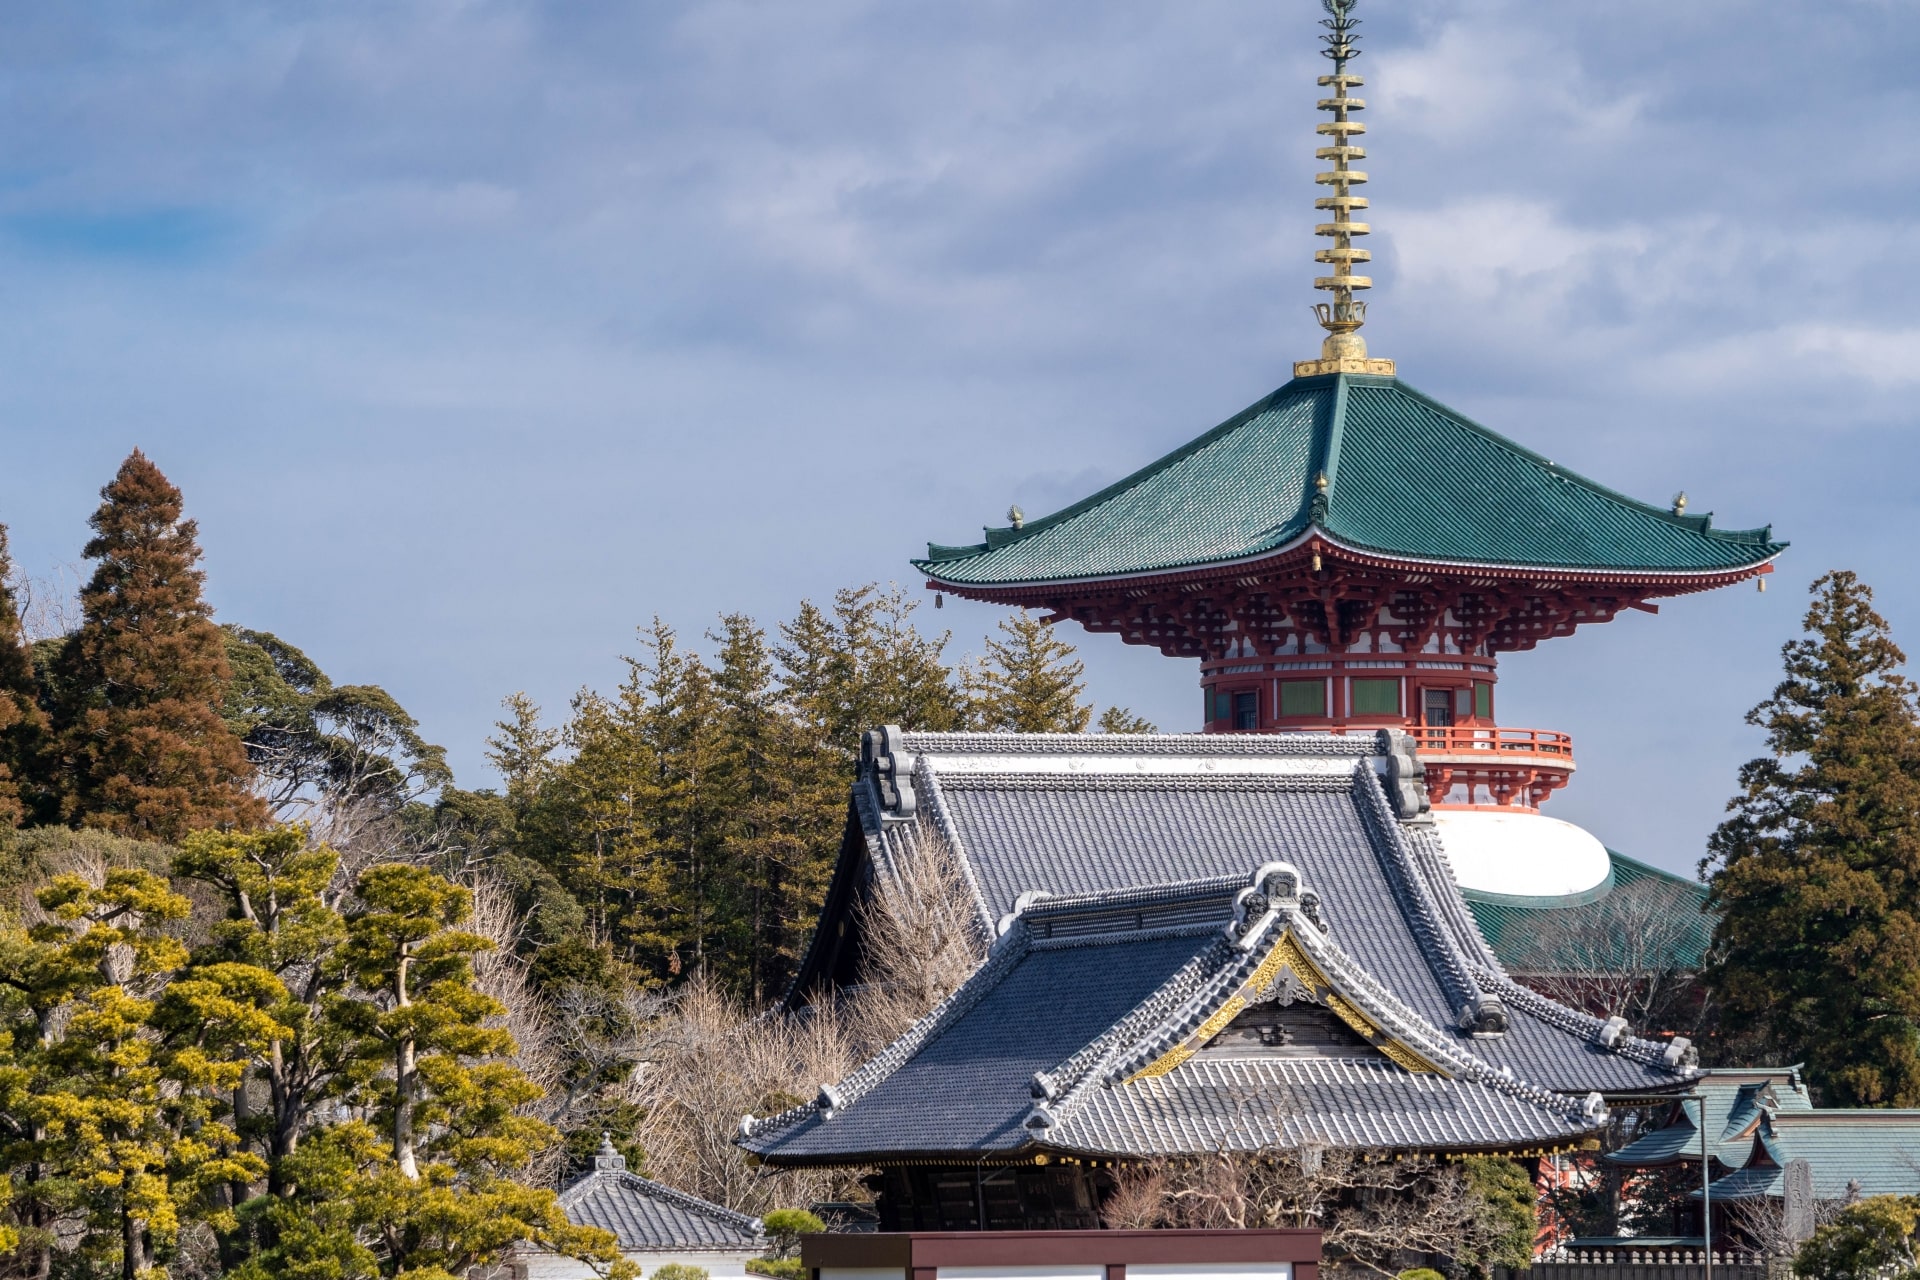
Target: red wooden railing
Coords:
[[1460, 739]]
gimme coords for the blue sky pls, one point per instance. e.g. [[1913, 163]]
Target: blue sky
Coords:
[[479, 333]]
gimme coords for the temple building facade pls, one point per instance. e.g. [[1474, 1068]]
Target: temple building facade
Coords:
[[1193, 943], [1299, 928]]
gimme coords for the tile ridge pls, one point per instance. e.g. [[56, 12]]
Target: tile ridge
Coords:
[[1377, 1000], [1669, 1057], [1170, 891], [1474, 1008], [687, 1200], [1428, 853], [1123, 744], [1189, 1002]]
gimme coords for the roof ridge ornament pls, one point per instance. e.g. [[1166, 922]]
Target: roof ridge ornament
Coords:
[[1344, 350]]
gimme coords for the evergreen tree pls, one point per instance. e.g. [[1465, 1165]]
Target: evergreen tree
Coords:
[[1029, 682], [1123, 720], [1816, 876], [121, 1067], [342, 753], [278, 921], [144, 678], [863, 665], [428, 1178], [765, 766], [522, 749], [22, 723]]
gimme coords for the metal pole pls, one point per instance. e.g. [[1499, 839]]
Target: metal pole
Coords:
[[1706, 1192]]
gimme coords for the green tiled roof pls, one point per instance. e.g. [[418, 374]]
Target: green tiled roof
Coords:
[[1406, 477], [1517, 928], [1734, 1098]]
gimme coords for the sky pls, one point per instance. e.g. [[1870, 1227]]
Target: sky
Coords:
[[478, 334]]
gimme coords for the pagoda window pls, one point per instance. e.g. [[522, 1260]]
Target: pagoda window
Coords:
[[1436, 708], [1482, 700], [1246, 709], [1303, 697], [1462, 705], [1376, 697]]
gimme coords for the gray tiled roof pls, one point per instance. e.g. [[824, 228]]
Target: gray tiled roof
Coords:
[[1245, 1104], [965, 1079], [1735, 1101], [1135, 848], [1878, 1150], [967, 1088], [647, 1216], [1111, 825]]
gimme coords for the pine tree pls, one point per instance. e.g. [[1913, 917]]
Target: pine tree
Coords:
[[767, 768], [144, 677], [1029, 682], [677, 881], [430, 1174], [522, 749], [1123, 720], [864, 665], [1816, 876], [122, 1065], [279, 922], [22, 723]]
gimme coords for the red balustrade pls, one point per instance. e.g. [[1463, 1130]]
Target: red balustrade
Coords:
[[1513, 768]]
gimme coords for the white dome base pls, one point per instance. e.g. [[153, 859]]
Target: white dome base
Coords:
[[1520, 854]]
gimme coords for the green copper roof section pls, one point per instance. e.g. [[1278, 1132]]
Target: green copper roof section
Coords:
[[1406, 477], [1663, 911]]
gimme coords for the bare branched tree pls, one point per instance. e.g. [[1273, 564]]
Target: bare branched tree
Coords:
[[1374, 1213], [706, 1064], [921, 930], [1761, 1223], [50, 603], [1619, 957]]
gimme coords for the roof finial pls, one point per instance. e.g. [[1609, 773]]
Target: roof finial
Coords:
[[1344, 350], [608, 1158]]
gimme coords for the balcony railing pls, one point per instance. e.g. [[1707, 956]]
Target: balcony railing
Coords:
[[1462, 740], [1473, 766]]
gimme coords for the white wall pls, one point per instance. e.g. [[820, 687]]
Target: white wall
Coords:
[[720, 1266]]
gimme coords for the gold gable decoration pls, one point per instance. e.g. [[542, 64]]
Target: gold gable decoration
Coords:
[[1286, 955]]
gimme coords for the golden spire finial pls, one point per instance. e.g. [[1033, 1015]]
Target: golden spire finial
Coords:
[[1344, 350]]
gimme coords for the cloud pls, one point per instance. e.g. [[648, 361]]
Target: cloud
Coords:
[[504, 324]]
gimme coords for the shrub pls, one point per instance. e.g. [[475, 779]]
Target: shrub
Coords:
[[778, 1268], [786, 1226], [677, 1271], [1420, 1273], [1871, 1239]]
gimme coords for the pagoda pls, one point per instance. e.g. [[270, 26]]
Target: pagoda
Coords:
[[1303, 929], [1347, 553]]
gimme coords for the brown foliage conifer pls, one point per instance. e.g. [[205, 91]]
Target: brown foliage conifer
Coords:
[[143, 679], [22, 724]]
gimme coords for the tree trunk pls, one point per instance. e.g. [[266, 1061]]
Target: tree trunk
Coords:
[[404, 1082]]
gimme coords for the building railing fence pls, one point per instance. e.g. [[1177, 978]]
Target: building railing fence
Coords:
[[1647, 1264]]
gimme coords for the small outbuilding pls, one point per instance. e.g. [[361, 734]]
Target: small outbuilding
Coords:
[[655, 1225]]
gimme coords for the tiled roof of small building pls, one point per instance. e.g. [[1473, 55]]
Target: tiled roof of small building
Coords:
[[1110, 867], [1849, 1153], [649, 1217], [1735, 1099], [1406, 477]]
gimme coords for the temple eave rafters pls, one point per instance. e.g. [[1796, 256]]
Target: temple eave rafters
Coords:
[[1333, 594]]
